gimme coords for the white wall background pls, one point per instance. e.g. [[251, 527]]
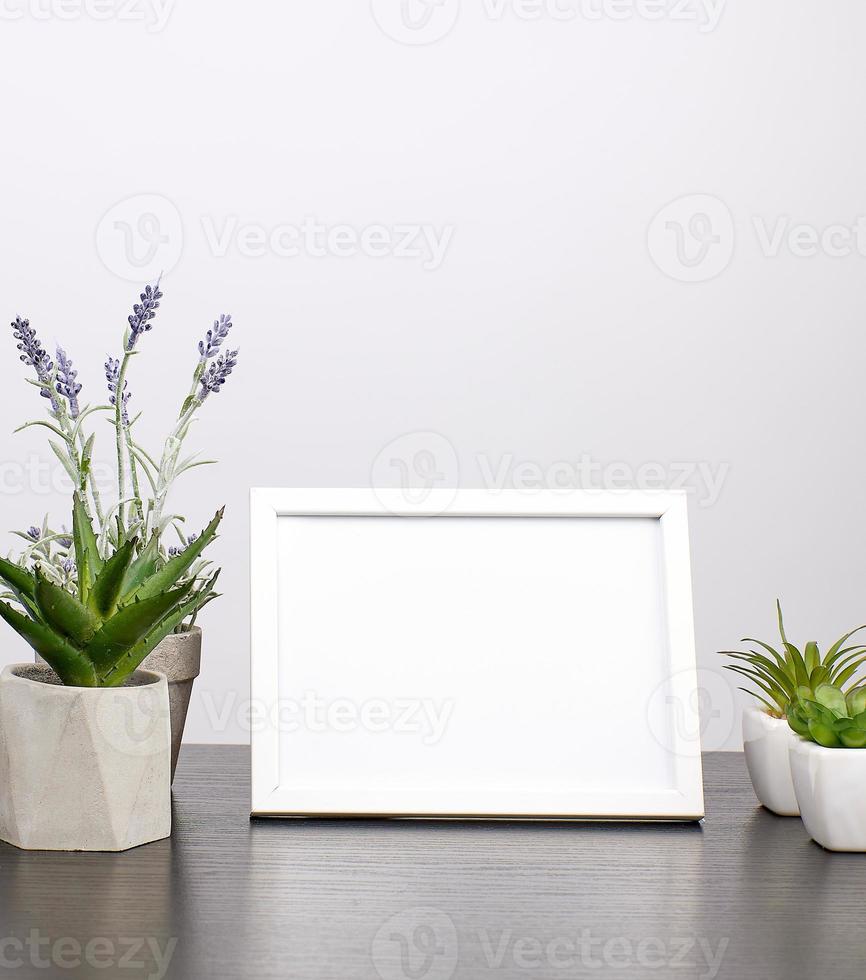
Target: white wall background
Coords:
[[542, 139]]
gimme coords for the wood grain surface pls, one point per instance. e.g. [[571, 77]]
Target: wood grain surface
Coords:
[[743, 895]]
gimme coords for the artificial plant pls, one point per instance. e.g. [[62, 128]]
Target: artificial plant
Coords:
[[780, 675], [95, 601], [830, 717]]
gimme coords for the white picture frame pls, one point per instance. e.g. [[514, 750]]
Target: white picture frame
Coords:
[[544, 642]]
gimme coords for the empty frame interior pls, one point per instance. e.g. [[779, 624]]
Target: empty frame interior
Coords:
[[472, 665]]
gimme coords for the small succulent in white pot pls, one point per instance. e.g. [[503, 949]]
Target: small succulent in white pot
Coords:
[[777, 675], [828, 764], [96, 604]]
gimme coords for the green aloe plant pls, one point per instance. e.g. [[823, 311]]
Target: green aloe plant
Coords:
[[830, 717], [784, 676], [120, 609], [95, 601]]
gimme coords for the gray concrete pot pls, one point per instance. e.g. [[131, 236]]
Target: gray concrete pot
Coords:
[[83, 769], [179, 658]]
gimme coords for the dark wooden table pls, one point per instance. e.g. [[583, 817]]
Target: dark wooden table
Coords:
[[744, 895]]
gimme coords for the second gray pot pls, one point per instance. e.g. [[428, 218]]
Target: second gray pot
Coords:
[[178, 656]]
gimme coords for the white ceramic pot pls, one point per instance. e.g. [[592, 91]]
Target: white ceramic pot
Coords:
[[83, 769], [767, 742], [831, 790]]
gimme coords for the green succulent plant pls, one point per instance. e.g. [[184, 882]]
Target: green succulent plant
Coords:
[[120, 609], [830, 717], [94, 602], [791, 674]]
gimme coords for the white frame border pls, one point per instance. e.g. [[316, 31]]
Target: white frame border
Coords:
[[668, 506]]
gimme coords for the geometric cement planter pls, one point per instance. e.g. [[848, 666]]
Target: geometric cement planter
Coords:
[[178, 656], [831, 790], [83, 769], [766, 742]]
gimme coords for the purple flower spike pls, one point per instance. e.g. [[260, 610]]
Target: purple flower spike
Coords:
[[112, 375], [176, 550], [68, 566], [215, 377], [66, 383], [34, 533], [143, 313], [215, 337], [34, 355]]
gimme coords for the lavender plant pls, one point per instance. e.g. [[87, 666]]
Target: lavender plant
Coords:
[[95, 601]]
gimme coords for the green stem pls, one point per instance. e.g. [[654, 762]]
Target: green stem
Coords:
[[94, 489], [133, 470], [196, 377], [120, 438], [68, 431], [170, 452]]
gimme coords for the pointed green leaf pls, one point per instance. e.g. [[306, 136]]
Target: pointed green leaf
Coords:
[[129, 625], [841, 662], [798, 664], [768, 678], [840, 657], [118, 673], [811, 656], [84, 468], [87, 557], [64, 613], [770, 707], [767, 687], [143, 567], [837, 646], [780, 660], [781, 623], [106, 588], [70, 664], [781, 677], [17, 578], [847, 673], [176, 567]]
